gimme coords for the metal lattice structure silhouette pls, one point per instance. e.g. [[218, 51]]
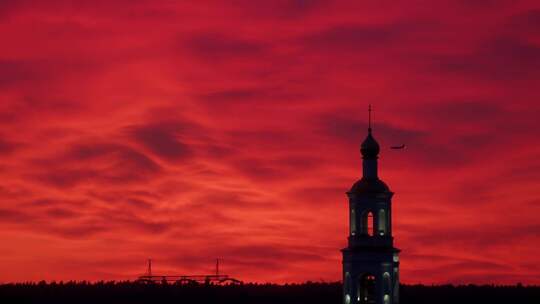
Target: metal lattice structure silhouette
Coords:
[[216, 278]]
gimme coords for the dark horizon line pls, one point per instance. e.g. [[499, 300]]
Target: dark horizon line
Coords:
[[97, 282]]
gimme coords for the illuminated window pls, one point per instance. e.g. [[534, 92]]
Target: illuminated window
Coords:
[[382, 222]]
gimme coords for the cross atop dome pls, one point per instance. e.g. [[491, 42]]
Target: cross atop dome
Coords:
[[369, 148]]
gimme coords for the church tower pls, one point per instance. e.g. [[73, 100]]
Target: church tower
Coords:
[[370, 261]]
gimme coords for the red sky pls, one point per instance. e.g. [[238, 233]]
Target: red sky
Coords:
[[186, 132]]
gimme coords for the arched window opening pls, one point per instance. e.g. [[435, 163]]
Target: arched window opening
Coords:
[[367, 223], [382, 222], [347, 288], [353, 222], [387, 283], [396, 285], [366, 289]]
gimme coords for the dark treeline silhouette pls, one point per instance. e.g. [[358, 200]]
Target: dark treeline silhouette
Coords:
[[327, 293]]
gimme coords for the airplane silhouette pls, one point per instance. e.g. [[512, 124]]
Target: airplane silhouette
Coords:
[[398, 147]]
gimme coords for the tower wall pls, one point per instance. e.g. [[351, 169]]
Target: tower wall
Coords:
[[370, 261]]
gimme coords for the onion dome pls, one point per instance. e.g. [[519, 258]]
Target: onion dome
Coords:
[[370, 148]]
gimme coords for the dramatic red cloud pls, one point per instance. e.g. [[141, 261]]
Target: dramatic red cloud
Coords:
[[186, 132]]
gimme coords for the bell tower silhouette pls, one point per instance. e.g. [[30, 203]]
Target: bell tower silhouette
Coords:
[[370, 261]]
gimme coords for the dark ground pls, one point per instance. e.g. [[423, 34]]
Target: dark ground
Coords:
[[327, 293]]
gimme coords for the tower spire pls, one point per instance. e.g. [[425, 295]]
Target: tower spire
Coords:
[[369, 147], [369, 118]]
